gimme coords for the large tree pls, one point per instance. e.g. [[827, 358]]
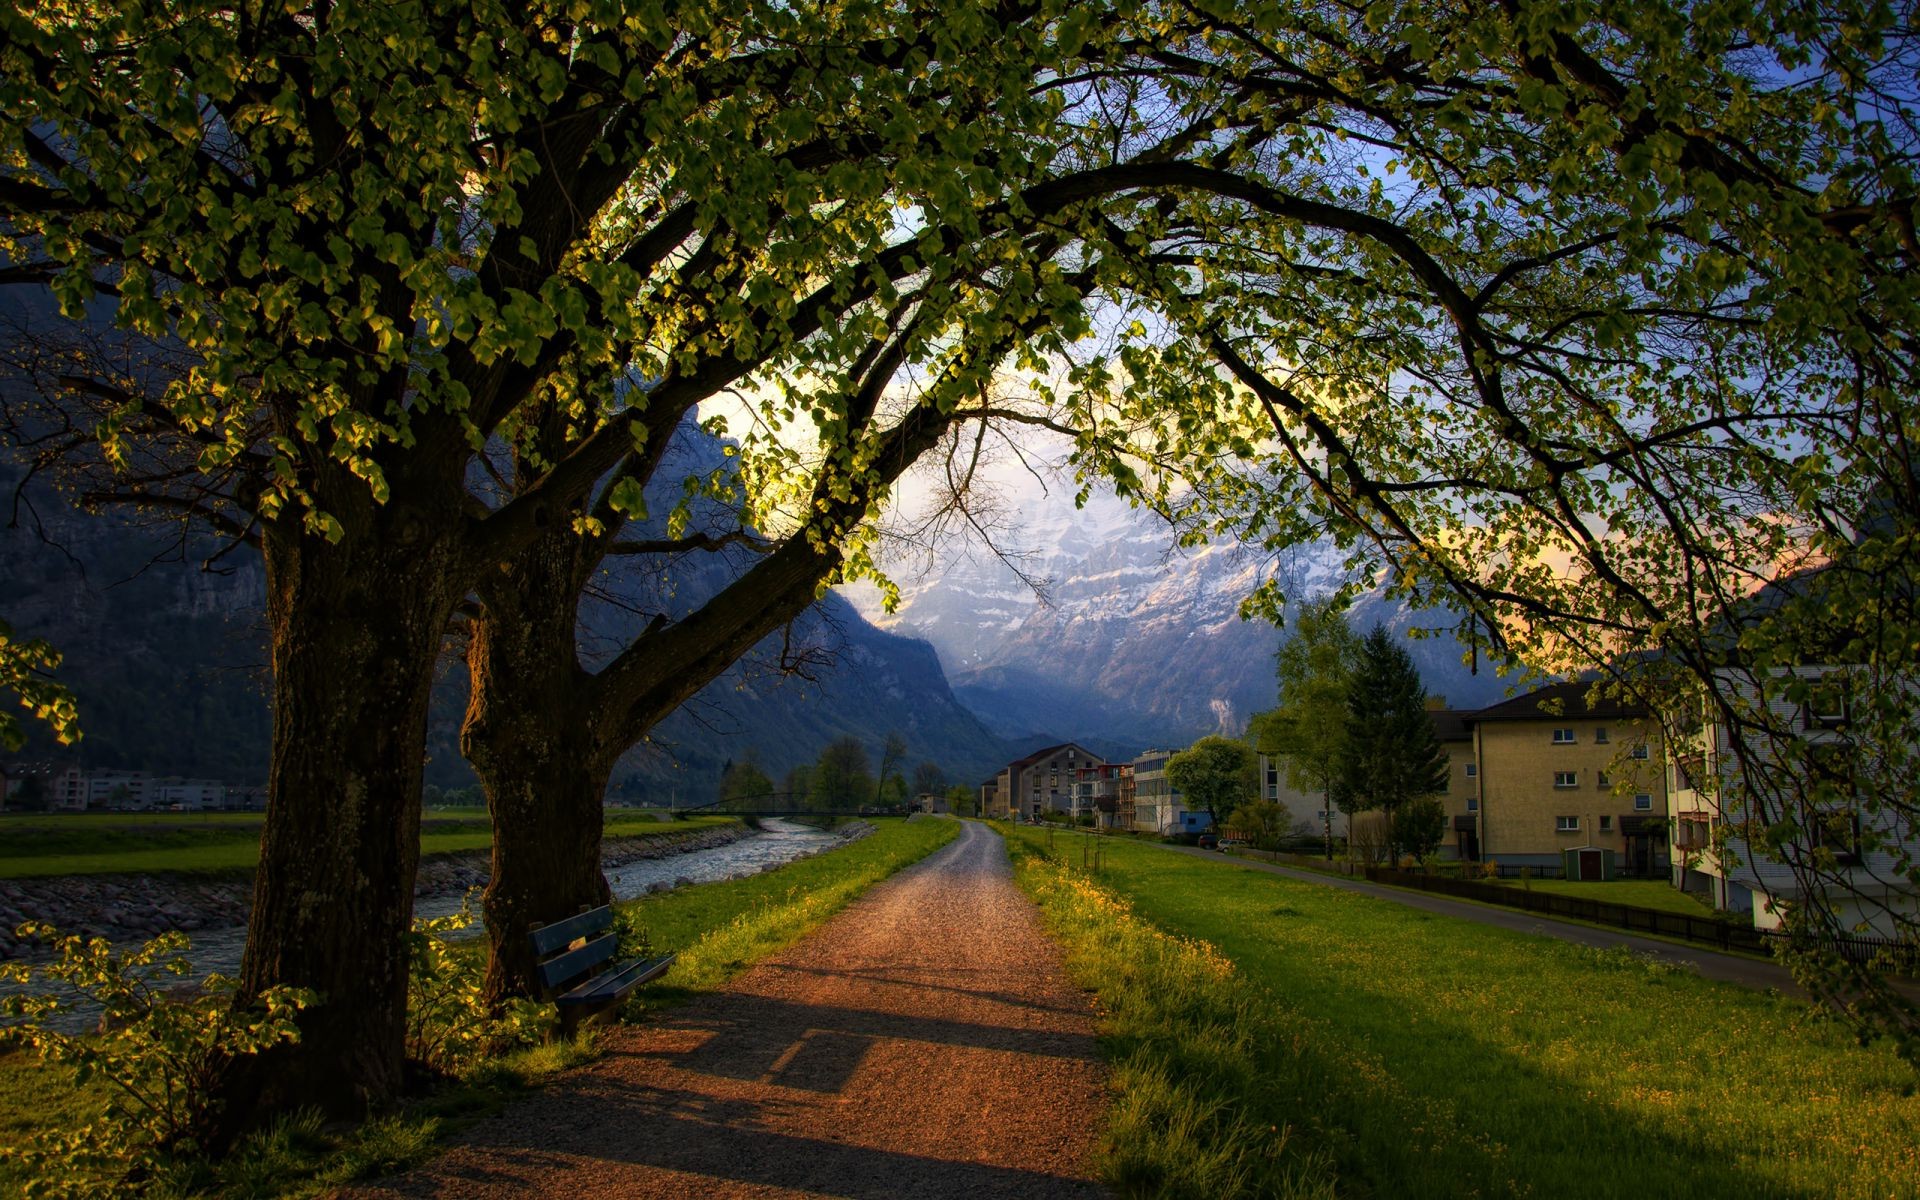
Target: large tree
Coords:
[[385, 238], [1216, 774], [1603, 322], [1315, 666], [1391, 755]]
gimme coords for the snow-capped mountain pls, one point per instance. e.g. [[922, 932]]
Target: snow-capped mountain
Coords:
[[1136, 642]]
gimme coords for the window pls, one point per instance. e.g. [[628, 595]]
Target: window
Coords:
[[1606, 824], [1826, 706], [1473, 770], [1600, 734], [1566, 779], [1563, 737], [1640, 750], [1838, 831], [1602, 780], [1566, 824], [1642, 802], [1473, 804]]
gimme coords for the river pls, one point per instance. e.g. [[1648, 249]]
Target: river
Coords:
[[217, 951]]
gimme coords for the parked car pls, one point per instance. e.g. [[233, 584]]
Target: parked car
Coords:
[[1209, 842]]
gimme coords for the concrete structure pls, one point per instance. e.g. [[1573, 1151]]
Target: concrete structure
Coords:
[[1462, 796], [1042, 781], [187, 795], [1107, 791], [1303, 809], [1567, 775], [1157, 806], [1863, 886], [990, 802]]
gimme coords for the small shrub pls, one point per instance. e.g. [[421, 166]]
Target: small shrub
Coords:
[[158, 1051], [450, 1025]]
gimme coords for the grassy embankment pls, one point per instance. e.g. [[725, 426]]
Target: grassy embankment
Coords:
[[718, 929], [1281, 1037], [214, 843]]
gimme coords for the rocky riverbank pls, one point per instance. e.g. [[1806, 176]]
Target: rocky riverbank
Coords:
[[125, 908]]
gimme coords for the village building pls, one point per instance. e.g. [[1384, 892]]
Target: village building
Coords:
[[1863, 885], [1555, 772], [1040, 782]]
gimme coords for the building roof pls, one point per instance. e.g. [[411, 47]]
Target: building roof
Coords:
[[1048, 752], [1452, 724], [1571, 701]]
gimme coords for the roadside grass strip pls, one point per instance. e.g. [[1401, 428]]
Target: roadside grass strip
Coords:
[[1279, 1037], [37, 847]]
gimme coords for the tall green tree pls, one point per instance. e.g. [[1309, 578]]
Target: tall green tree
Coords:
[[743, 783], [411, 261], [1216, 774], [889, 785], [929, 780], [1392, 755], [1308, 729], [842, 779]]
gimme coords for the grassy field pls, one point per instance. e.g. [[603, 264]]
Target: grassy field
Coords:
[[143, 843], [1286, 1038], [718, 929]]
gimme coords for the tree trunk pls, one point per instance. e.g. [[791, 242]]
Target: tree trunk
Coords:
[[355, 628], [532, 734]]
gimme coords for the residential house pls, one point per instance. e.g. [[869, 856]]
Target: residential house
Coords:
[[1863, 883], [991, 805], [1555, 772], [1041, 782]]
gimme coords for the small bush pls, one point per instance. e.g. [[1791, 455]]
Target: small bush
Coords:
[[450, 1025], [159, 1050]]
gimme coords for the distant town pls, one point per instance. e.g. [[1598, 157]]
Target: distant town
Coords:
[[1552, 782]]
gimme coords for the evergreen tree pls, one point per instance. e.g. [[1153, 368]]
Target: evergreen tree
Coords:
[[1391, 754]]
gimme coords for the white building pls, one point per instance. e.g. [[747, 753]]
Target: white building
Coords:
[[1853, 864]]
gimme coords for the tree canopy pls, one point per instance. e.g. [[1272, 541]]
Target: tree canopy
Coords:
[[1215, 774], [1584, 323]]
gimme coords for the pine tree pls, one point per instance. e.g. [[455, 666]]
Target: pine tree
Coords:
[[1392, 754]]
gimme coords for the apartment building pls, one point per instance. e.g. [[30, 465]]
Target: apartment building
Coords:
[[1040, 782], [1462, 797], [1863, 885], [1555, 772]]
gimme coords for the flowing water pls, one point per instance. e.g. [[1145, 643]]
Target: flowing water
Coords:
[[217, 951]]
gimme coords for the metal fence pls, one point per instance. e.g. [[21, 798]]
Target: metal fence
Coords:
[[1633, 918]]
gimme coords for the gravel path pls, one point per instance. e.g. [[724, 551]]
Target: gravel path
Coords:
[[923, 1043]]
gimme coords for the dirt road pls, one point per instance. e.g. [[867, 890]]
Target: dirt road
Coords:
[[923, 1043]]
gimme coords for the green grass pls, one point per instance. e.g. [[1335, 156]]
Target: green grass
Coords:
[[38, 846], [1282, 1037], [1641, 893], [718, 929]]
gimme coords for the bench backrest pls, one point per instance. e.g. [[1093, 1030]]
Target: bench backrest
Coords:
[[565, 965]]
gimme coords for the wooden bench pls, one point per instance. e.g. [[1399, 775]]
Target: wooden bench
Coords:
[[577, 968]]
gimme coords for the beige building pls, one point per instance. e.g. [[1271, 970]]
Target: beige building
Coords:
[[1462, 796], [1569, 775]]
